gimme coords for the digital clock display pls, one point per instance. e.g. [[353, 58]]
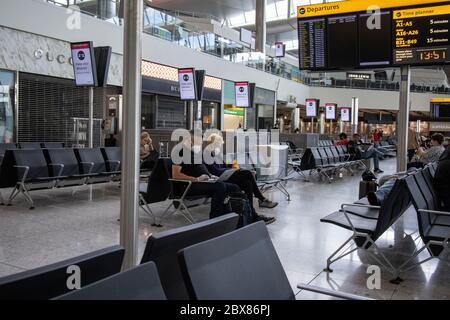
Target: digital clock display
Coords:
[[421, 35]]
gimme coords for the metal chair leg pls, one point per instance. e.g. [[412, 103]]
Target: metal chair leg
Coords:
[[330, 259]]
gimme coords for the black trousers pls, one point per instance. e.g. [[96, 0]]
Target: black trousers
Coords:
[[247, 183], [218, 191]]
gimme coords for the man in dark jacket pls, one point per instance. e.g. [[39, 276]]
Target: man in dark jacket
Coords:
[[442, 180]]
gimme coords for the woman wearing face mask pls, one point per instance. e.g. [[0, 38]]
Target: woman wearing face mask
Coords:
[[198, 173], [148, 154], [245, 179]]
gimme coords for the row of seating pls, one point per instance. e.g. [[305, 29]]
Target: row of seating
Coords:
[[161, 186], [207, 261], [327, 161], [29, 145], [368, 223], [35, 169], [325, 143]]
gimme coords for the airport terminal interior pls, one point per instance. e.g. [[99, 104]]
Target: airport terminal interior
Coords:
[[224, 150]]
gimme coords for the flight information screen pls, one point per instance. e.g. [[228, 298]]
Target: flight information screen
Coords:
[[311, 35], [375, 47], [421, 35], [342, 42]]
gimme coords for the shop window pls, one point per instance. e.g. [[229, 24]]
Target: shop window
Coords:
[[172, 113], [209, 115]]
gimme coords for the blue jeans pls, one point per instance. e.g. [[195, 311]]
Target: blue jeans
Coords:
[[384, 191], [375, 154]]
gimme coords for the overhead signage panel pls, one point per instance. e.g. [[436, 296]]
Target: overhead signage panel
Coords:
[[85, 70], [241, 90], [186, 80]]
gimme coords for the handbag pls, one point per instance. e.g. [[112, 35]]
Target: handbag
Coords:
[[239, 204]]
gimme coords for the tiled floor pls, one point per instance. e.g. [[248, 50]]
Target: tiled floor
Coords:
[[66, 224]]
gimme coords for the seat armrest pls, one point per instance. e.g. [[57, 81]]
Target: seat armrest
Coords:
[[61, 168], [332, 293], [443, 213], [91, 166], [25, 170], [343, 206], [117, 162], [186, 190]]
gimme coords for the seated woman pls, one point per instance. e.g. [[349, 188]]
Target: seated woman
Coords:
[[432, 154], [245, 179], [199, 174], [148, 154]]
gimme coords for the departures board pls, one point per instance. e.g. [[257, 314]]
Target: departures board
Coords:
[[345, 35]]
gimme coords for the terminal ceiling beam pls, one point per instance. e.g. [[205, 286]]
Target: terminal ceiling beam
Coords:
[[132, 90]]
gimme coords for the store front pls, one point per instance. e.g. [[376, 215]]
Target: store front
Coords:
[[265, 108], [162, 107], [39, 101], [259, 116]]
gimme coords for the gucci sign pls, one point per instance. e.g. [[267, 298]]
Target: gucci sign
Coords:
[[50, 57]]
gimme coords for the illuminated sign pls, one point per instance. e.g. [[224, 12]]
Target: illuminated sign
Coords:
[[330, 111], [85, 70], [421, 35], [186, 80], [280, 49], [340, 7], [345, 114], [312, 107], [241, 90]]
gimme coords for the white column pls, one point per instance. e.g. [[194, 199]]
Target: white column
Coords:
[[403, 118], [132, 90]]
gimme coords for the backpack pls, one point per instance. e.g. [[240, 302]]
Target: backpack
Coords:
[[239, 204], [354, 151]]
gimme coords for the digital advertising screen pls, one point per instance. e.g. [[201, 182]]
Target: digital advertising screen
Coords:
[[186, 79], [280, 49], [345, 114], [84, 67], [241, 90], [330, 111], [312, 108]]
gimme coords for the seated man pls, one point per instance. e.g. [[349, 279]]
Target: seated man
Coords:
[[245, 179], [355, 149], [432, 154], [343, 139], [199, 174], [442, 180], [386, 184]]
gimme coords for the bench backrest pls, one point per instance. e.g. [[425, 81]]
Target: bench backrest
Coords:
[[111, 156], [158, 186], [32, 158], [396, 203], [51, 281], [140, 283], [93, 155], [52, 145], [240, 265], [30, 145], [419, 202], [65, 157], [163, 247]]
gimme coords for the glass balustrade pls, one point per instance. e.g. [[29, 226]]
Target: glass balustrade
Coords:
[[170, 26]]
